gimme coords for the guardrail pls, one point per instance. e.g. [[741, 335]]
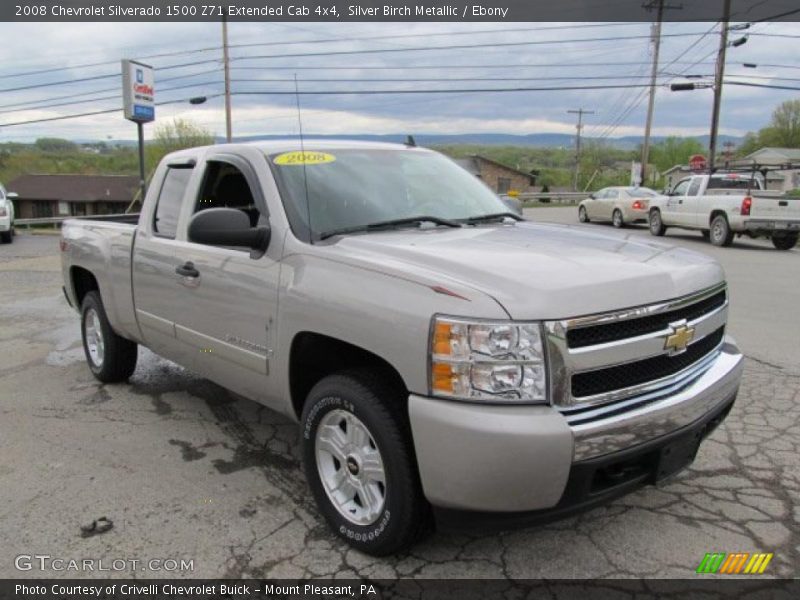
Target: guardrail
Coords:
[[554, 197], [56, 221]]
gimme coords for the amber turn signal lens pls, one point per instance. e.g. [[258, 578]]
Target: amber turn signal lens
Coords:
[[442, 377], [441, 338]]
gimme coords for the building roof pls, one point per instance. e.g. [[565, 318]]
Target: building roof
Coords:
[[75, 188], [788, 154], [478, 157], [469, 164]]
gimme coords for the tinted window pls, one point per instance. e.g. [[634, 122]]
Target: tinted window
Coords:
[[695, 187], [731, 183], [168, 209]]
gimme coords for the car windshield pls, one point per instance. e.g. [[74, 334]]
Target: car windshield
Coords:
[[641, 192], [351, 188]]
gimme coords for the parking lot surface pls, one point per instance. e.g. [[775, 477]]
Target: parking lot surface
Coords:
[[187, 470]]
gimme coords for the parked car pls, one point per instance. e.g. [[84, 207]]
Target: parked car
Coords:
[[444, 358], [723, 205], [617, 205], [6, 216]]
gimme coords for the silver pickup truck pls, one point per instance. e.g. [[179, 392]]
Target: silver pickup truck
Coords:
[[449, 363]]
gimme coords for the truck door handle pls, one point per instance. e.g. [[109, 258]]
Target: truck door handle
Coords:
[[187, 270]]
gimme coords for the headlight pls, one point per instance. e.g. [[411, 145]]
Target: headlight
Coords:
[[490, 361]]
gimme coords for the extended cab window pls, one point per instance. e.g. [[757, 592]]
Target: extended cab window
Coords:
[[695, 187], [225, 186], [165, 223]]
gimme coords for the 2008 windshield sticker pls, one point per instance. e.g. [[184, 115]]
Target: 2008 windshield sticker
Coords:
[[303, 158]]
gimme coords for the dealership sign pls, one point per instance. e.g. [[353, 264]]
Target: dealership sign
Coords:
[[138, 91]]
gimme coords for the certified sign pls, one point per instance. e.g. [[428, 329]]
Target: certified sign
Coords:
[[138, 91]]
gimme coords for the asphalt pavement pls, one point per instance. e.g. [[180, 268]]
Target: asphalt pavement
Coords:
[[187, 471]]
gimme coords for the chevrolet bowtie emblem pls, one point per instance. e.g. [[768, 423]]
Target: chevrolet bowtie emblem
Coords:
[[678, 339]]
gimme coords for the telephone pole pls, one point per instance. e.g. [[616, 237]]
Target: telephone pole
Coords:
[[656, 40], [227, 67], [718, 74], [580, 112]]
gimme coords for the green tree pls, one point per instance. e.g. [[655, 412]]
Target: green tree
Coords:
[[176, 135], [674, 151], [783, 130], [55, 145]]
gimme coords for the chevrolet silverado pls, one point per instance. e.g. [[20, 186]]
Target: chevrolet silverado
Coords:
[[449, 363]]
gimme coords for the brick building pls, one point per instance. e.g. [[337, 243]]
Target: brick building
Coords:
[[501, 178], [40, 196]]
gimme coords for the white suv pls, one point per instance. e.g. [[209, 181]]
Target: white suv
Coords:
[[6, 216]]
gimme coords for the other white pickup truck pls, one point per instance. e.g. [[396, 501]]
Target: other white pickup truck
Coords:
[[723, 205]]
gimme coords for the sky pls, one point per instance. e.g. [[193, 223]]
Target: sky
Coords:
[[535, 55]]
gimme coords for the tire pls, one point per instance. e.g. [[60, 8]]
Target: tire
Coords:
[[111, 358], [6, 237], [583, 217], [720, 233], [786, 241], [348, 419], [616, 219], [655, 223]]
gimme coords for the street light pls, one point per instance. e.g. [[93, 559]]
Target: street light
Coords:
[[198, 100], [740, 42]]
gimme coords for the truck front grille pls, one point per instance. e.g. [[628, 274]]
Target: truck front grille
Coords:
[[619, 360], [628, 328], [636, 373]]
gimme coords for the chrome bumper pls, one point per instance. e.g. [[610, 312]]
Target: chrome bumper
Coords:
[[500, 458], [715, 386]]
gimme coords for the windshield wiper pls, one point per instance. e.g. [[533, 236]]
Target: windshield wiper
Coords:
[[491, 217], [390, 224]]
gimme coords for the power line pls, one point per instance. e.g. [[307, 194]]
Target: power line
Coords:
[[448, 67], [460, 46], [324, 40], [93, 113]]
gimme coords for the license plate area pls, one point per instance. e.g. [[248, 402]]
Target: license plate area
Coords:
[[677, 455]]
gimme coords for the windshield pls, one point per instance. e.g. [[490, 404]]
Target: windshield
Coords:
[[355, 187]]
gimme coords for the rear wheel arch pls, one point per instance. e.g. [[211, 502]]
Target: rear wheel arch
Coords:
[[313, 356], [83, 282]]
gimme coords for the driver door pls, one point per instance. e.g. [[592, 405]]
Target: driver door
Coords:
[[673, 209], [231, 305]]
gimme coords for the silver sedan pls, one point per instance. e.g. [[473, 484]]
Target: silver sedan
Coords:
[[617, 205]]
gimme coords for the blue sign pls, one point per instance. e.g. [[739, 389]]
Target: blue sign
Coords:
[[139, 76], [144, 112]]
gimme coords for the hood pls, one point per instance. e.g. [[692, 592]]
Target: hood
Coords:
[[539, 271]]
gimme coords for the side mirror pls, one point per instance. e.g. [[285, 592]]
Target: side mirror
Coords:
[[227, 227], [12, 195], [592, 197]]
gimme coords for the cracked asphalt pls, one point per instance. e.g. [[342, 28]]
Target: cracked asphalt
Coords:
[[187, 470]]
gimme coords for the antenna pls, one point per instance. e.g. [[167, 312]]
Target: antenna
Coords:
[[303, 153]]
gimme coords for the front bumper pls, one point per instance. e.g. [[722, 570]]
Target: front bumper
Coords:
[[515, 459]]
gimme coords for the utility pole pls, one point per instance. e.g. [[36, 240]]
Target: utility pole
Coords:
[[227, 67], [656, 38], [580, 112], [719, 73]]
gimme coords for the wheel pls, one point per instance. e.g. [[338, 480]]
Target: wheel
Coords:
[[616, 219], [785, 241], [706, 234], [6, 237], [655, 223], [359, 462], [721, 234], [111, 358], [583, 217]]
